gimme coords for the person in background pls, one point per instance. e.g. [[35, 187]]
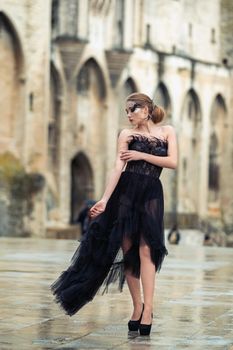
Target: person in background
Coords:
[[174, 235], [84, 215]]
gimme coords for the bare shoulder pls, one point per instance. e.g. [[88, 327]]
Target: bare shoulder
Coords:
[[168, 130], [124, 133], [123, 139]]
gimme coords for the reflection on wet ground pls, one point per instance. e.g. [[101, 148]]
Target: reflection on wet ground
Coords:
[[193, 304]]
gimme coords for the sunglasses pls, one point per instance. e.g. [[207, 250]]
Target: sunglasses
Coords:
[[133, 108]]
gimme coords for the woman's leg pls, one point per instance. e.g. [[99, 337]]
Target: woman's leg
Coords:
[[148, 281], [134, 285]]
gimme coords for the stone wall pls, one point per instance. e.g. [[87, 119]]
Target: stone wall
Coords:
[[24, 62], [226, 31], [69, 77], [20, 197]]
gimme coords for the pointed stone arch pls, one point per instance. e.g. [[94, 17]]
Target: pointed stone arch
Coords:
[[57, 77], [91, 117], [192, 106], [162, 98], [11, 88], [213, 177], [221, 101], [7, 24], [218, 107], [91, 73], [219, 157], [190, 156], [55, 7], [91, 94], [54, 124], [128, 87], [169, 178], [81, 183]]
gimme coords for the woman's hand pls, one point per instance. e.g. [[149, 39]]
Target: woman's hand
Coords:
[[131, 155], [98, 208]]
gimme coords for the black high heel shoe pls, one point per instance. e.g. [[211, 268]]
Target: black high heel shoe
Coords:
[[134, 325], [144, 329]]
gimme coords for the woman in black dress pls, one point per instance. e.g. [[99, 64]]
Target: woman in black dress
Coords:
[[129, 216]]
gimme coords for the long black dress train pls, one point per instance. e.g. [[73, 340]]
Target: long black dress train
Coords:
[[135, 209]]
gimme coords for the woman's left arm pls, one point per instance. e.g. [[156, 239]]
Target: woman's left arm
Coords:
[[170, 161]]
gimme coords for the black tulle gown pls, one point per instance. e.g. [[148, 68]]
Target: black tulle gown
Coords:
[[134, 210]]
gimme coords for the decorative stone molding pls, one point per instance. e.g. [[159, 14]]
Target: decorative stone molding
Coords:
[[117, 60], [71, 51]]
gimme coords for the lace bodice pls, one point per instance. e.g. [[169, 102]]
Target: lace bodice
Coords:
[[151, 145]]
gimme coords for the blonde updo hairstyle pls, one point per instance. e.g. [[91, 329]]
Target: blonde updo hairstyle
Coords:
[[156, 113]]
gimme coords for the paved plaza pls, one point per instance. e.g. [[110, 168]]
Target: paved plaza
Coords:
[[193, 304]]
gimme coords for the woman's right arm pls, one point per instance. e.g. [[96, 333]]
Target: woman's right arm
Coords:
[[114, 177]]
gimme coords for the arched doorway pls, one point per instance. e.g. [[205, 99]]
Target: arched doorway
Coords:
[[162, 98], [53, 194], [189, 155], [128, 88], [214, 168], [54, 124], [168, 177], [81, 183], [217, 174], [91, 93], [91, 119], [11, 66]]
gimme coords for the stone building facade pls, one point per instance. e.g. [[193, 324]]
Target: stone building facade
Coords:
[[66, 67]]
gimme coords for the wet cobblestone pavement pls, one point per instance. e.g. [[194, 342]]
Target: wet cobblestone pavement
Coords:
[[193, 304]]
